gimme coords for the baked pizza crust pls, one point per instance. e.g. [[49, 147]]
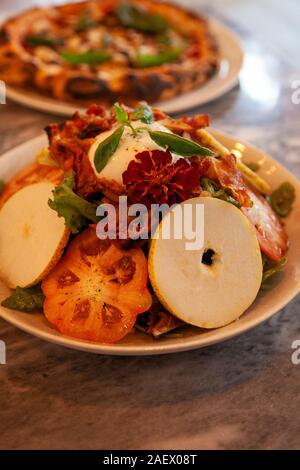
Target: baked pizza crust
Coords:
[[42, 68]]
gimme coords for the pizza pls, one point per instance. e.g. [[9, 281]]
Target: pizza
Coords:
[[107, 51]]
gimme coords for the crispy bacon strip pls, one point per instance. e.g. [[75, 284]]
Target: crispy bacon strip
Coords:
[[186, 124], [70, 142], [225, 171], [197, 121]]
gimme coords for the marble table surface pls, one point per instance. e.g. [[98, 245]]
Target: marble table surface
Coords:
[[241, 394]]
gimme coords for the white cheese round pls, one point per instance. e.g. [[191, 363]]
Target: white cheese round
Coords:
[[128, 147]]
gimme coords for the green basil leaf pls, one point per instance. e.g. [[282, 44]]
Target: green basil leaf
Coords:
[[121, 113], [153, 60], [137, 18], [142, 113], [76, 211], [178, 145], [37, 40], [30, 299], [89, 57], [107, 148], [2, 186]]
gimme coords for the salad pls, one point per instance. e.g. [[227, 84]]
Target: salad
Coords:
[[80, 240]]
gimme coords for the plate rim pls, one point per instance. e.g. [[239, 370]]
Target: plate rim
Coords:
[[162, 347], [62, 108]]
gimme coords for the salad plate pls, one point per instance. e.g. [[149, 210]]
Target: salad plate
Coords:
[[281, 289], [226, 78]]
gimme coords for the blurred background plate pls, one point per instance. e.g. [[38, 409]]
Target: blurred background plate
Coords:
[[283, 287], [224, 80]]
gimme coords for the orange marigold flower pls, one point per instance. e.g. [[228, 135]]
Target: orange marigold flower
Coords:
[[153, 178]]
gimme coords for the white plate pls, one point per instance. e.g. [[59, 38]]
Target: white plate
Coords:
[[286, 284], [225, 79]]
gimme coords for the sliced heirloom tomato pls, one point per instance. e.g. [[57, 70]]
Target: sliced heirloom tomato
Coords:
[[34, 173], [271, 234], [97, 289]]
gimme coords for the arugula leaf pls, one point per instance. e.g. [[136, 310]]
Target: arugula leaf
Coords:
[[30, 299], [121, 114], [89, 57], [271, 268], [153, 60], [142, 113], [2, 186], [107, 148], [215, 190], [137, 18], [37, 40], [178, 145], [76, 211]]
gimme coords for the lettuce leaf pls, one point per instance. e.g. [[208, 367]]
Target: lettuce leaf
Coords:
[[270, 268], [76, 211], [215, 190], [30, 299]]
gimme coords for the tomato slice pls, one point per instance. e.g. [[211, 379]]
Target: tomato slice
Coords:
[[97, 289], [34, 173], [271, 234]]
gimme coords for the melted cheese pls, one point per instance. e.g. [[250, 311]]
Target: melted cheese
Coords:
[[128, 147]]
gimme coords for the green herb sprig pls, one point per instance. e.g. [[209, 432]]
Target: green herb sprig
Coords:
[[142, 113]]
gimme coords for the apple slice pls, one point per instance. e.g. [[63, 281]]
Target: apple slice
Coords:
[[212, 286], [32, 236]]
